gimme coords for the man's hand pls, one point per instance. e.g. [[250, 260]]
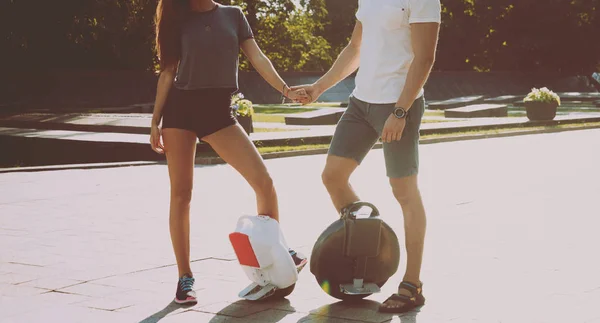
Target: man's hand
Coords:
[[393, 129], [313, 93], [297, 95]]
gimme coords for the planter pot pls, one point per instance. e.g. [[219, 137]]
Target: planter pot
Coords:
[[538, 111], [246, 123]]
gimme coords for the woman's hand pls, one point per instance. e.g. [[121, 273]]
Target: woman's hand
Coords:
[[299, 95], [313, 92], [156, 139]]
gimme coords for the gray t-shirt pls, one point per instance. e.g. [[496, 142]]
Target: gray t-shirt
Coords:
[[210, 47]]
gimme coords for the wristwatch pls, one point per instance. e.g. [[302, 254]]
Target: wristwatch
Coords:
[[400, 113]]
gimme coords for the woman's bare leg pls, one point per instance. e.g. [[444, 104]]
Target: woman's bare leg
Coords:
[[180, 149], [233, 145]]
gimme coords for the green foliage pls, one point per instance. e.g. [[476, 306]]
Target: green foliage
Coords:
[[339, 23], [287, 35], [526, 35]]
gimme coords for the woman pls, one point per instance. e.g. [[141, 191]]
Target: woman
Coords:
[[198, 43]]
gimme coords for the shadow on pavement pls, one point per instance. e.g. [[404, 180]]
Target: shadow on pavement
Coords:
[[171, 307], [239, 309], [362, 310]]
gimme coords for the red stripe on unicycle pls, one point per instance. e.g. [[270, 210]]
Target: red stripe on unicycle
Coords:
[[243, 249]]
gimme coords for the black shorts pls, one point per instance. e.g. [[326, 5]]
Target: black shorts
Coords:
[[203, 111]]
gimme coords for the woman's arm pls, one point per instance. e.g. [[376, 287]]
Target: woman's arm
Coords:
[[265, 68], [165, 81]]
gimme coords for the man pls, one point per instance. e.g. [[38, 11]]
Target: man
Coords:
[[394, 44]]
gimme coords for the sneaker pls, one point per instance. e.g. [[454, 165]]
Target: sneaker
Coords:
[[185, 291], [299, 259]]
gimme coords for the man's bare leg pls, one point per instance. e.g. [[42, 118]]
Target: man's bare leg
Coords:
[[336, 178], [407, 193]]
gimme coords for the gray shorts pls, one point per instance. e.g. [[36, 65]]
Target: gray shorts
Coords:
[[361, 126]]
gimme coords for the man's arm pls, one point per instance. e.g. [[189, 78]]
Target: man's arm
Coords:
[[424, 42], [346, 63]]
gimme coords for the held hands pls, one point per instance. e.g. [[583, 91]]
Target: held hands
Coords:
[[393, 129], [296, 95], [312, 93]]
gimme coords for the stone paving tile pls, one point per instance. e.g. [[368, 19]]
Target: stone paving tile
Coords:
[[106, 304], [194, 316], [238, 309], [16, 278], [22, 304], [365, 311], [130, 282], [68, 314], [19, 290], [274, 315], [154, 311], [52, 297], [52, 283], [91, 289], [133, 295]]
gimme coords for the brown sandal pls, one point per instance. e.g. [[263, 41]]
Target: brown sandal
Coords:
[[410, 302]]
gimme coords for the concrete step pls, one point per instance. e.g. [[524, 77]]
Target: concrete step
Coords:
[[579, 96], [456, 102], [329, 116], [478, 111], [504, 99]]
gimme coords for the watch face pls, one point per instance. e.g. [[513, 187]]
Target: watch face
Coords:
[[400, 113]]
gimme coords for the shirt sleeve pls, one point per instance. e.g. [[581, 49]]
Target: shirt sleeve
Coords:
[[244, 29], [425, 11]]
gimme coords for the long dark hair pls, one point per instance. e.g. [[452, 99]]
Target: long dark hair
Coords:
[[170, 15]]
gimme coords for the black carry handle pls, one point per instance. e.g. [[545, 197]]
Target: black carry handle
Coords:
[[357, 205]]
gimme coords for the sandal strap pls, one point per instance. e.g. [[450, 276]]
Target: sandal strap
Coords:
[[400, 297], [414, 290]]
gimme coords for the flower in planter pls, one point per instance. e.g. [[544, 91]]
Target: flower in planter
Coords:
[[241, 107], [542, 95]]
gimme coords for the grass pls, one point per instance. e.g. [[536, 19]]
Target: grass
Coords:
[[278, 129], [276, 110], [312, 105], [261, 117], [437, 120], [434, 113], [276, 149]]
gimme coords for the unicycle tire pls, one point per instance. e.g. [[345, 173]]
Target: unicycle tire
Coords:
[[282, 293], [336, 293]]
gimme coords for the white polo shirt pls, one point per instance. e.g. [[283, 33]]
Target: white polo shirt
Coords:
[[386, 50]]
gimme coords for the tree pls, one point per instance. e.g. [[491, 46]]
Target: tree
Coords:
[[340, 21], [553, 36], [288, 35]]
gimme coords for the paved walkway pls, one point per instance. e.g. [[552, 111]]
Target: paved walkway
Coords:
[[140, 122], [512, 237]]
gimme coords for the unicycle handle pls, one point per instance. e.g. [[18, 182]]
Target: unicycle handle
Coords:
[[357, 205]]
